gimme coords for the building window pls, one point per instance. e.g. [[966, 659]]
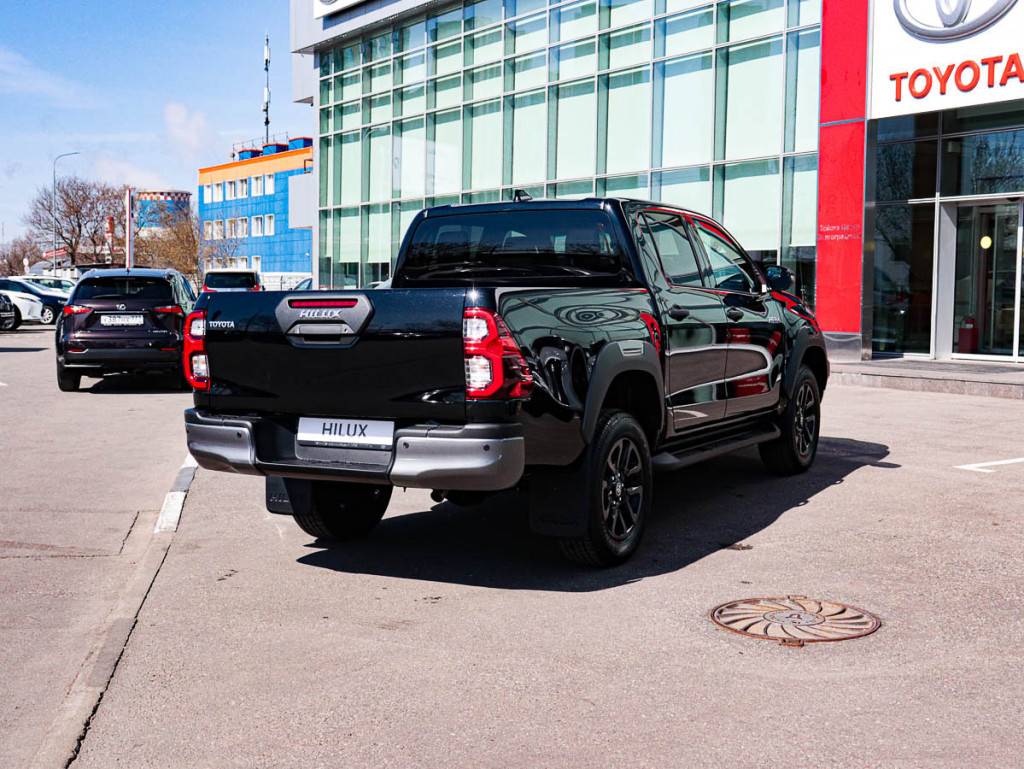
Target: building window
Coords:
[[208, 193], [257, 226], [242, 227], [255, 262], [257, 186], [242, 188], [229, 190], [218, 229], [268, 224], [207, 230], [268, 184], [218, 192]]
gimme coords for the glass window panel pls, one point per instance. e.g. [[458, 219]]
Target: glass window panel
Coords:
[[750, 87], [750, 201], [678, 253], [527, 34], [335, 161], [615, 13], [351, 86], [535, 191], [671, 6], [412, 68], [688, 187], [485, 47], [486, 196], [685, 32], [326, 62], [443, 200], [905, 171], [572, 21], [628, 46], [444, 25], [482, 14], [483, 137], [803, 70], [574, 60], [351, 167], [802, 12], [446, 152], [377, 234], [445, 59], [377, 109], [325, 120], [627, 116], [339, 114], [907, 127], [445, 92], [683, 111], [379, 163], [351, 56], [484, 82], [740, 19], [634, 186], [412, 35], [526, 71], [411, 101], [529, 126], [522, 7], [402, 216], [575, 124], [902, 295], [378, 47], [325, 169], [350, 239], [411, 138], [581, 189], [324, 249], [983, 163], [799, 222], [380, 77], [325, 91], [983, 117]]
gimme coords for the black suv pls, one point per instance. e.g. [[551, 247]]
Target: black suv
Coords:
[[569, 347], [122, 321]]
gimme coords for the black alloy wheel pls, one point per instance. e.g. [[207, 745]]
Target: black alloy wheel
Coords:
[[805, 427], [622, 489], [799, 426]]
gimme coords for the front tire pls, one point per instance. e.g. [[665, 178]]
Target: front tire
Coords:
[[17, 319], [794, 450], [618, 488], [48, 316], [341, 511], [68, 381]]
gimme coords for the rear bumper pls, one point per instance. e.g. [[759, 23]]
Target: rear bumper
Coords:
[[477, 457], [121, 359]]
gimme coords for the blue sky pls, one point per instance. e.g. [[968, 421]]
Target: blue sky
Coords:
[[147, 92]]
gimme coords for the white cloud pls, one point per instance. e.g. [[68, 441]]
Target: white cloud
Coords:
[[20, 76], [116, 171], [187, 130]]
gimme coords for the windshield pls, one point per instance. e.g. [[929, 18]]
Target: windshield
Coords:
[[230, 280], [516, 246], [126, 287]]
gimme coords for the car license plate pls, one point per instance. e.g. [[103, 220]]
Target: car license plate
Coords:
[[120, 320], [346, 433]]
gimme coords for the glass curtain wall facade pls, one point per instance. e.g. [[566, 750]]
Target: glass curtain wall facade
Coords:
[[708, 105]]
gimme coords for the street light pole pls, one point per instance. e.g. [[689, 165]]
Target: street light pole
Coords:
[[53, 206]]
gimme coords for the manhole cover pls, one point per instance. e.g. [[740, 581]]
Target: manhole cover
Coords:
[[794, 620]]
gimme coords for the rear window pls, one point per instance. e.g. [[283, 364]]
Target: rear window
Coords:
[[514, 246], [230, 280], [126, 287]]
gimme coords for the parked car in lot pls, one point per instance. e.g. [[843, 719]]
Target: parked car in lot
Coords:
[[122, 321], [64, 285], [232, 280], [8, 316], [27, 308], [568, 347], [53, 301]]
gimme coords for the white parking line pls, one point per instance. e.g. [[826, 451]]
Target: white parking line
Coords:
[[174, 500], [982, 467]]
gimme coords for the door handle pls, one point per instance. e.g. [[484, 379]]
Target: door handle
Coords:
[[678, 313], [734, 313]]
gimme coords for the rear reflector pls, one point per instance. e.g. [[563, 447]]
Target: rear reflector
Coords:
[[76, 349], [322, 303]]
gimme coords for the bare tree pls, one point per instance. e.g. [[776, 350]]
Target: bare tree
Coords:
[[175, 240], [80, 211], [14, 254]]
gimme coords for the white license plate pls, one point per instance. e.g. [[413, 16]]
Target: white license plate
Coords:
[[120, 320], [351, 433]]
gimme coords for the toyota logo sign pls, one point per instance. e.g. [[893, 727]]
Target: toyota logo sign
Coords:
[[955, 20]]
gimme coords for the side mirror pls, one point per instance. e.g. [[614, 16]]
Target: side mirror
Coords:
[[779, 278]]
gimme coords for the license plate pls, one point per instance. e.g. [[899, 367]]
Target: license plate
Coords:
[[120, 320], [346, 433]]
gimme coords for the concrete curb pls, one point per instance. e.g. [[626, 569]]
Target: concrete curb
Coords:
[[929, 384]]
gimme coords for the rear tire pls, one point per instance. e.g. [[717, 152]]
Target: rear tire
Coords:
[[343, 511], [794, 450], [48, 316], [618, 487], [17, 319], [68, 381]]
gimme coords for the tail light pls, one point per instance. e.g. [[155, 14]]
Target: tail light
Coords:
[[494, 366], [76, 309], [195, 362], [169, 310]]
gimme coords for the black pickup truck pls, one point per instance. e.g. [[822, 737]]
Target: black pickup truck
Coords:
[[569, 348]]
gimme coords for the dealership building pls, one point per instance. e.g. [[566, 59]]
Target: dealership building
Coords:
[[874, 148]]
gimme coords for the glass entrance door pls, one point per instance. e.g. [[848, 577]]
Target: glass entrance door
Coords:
[[987, 316]]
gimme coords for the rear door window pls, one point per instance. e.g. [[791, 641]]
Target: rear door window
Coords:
[[125, 287], [678, 254], [517, 246], [730, 269]]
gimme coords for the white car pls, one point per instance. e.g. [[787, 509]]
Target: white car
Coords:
[[60, 285], [238, 279], [27, 308]]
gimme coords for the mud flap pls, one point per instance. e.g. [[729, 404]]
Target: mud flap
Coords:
[[285, 495], [558, 502]]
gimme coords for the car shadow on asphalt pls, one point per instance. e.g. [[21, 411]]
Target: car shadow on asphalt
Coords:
[[697, 511], [22, 349], [132, 384]]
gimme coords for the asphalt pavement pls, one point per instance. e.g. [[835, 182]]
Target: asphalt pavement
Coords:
[[452, 637]]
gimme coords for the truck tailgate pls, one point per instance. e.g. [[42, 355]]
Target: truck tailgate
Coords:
[[390, 354]]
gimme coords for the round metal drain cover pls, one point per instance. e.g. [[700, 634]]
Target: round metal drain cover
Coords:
[[794, 620]]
